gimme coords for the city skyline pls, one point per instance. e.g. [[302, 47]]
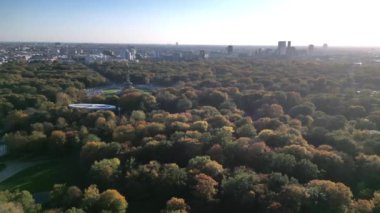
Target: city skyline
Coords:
[[212, 22]]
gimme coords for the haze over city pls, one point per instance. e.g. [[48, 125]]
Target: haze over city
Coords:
[[237, 22]]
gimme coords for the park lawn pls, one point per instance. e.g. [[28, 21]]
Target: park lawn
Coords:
[[8, 157], [42, 177], [111, 91], [2, 166]]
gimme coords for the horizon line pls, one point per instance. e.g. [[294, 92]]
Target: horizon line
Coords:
[[189, 44]]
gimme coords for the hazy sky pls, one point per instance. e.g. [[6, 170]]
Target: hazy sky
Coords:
[[250, 22]]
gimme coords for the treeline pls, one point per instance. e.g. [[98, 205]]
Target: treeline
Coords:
[[228, 135]]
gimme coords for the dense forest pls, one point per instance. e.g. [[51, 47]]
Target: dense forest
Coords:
[[231, 135]]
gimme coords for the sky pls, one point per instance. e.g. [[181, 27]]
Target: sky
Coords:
[[221, 22]]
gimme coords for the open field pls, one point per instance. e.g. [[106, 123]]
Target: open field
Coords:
[[43, 176], [111, 91], [2, 166]]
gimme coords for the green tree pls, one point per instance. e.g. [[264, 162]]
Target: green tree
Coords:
[[138, 115], [305, 171], [74, 210], [58, 141], [18, 201], [205, 187], [200, 126], [176, 205], [284, 163], [362, 206], [73, 197], [239, 185], [172, 180], [327, 196], [246, 130], [124, 133], [111, 200], [213, 98], [293, 197], [95, 150], [105, 171], [276, 181], [153, 129], [203, 164], [90, 197], [184, 104], [11, 207]]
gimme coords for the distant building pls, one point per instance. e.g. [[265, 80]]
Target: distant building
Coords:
[[64, 51], [310, 49], [281, 48], [129, 55], [100, 58], [289, 49], [188, 56], [216, 54], [72, 52], [133, 51], [108, 53], [139, 56], [325, 46], [39, 58], [259, 51], [202, 54], [230, 49]]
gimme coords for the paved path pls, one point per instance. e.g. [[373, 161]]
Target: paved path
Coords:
[[15, 167]]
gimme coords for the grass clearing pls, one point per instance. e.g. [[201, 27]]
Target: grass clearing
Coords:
[[2, 166], [42, 177], [110, 91]]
